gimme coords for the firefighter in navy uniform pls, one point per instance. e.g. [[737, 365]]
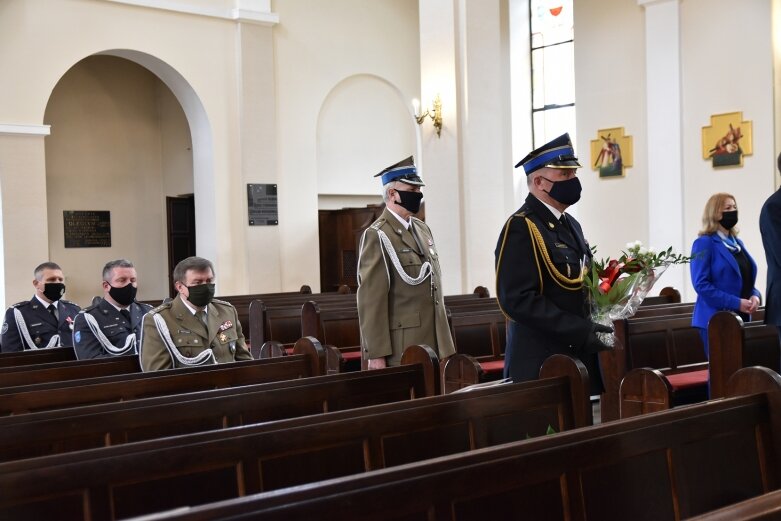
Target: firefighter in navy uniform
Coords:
[[541, 258], [112, 325], [44, 321]]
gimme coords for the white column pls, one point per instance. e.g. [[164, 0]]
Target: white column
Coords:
[[663, 109], [468, 171], [439, 161]]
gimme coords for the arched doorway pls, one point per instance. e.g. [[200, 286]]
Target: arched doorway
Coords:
[[128, 132]]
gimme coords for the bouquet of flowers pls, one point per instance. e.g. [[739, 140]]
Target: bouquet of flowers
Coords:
[[616, 287]]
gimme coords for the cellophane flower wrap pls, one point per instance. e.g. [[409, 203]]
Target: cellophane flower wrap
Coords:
[[616, 287]]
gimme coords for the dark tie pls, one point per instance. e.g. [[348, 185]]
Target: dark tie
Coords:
[[53, 310], [202, 318], [563, 221], [125, 313]]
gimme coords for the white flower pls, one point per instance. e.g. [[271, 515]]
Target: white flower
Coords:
[[652, 250], [643, 250]]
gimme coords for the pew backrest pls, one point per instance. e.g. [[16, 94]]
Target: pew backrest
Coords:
[[126, 480], [668, 465]]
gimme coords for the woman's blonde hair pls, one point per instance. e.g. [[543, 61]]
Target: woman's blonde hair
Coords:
[[712, 214]]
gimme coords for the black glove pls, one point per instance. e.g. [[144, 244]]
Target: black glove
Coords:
[[593, 344]]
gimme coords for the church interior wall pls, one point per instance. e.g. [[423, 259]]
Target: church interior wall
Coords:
[[351, 46], [727, 66], [285, 104], [121, 144]]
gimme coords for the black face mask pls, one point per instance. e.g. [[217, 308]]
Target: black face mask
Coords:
[[201, 295], [729, 219], [123, 296], [410, 201], [54, 291], [566, 192]]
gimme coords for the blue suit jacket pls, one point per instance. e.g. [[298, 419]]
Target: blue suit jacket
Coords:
[[770, 227], [716, 278]]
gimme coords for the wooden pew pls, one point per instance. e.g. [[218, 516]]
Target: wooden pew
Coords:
[[67, 430], [37, 356], [68, 370], [766, 507], [667, 295], [655, 342], [116, 482], [668, 465], [309, 360], [734, 344], [280, 319]]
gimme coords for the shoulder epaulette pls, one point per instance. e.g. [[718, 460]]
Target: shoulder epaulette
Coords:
[[164, 305], [20, 304], [89, 308], [376, 225], [222, 302], [68, 302]]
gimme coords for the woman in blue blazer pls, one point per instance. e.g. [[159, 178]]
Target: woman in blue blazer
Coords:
[[723, 273]]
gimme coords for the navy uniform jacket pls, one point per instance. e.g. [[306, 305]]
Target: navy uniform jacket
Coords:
[[770, 227], [114, 326], [41, 325], [540, 290]]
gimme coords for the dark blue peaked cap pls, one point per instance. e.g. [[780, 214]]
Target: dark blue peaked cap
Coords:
[[404, 171], [557, 153]]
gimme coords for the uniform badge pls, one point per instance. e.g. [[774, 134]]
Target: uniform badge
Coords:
[[37, 340], [431, 250], [69, 320], [226, 325], [223, 337], [5, 328], [77, 336], [552, 226], [430, 242], [233, 348]]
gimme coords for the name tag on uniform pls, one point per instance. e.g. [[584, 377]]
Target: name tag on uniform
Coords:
[[36, 325], [184, 331], [405, 250], [560, 245], [110, 325]]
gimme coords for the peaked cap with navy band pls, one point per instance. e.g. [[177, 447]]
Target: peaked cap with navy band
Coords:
[[557, 153], [404, 171]]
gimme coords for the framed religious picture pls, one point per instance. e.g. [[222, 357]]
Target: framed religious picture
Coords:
[[611, 152], [727, 140]]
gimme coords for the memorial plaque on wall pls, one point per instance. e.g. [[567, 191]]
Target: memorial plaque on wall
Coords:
[[262, 204], [87, 229]]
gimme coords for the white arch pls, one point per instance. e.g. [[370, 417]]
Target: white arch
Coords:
[[203, 146], [407, 102]]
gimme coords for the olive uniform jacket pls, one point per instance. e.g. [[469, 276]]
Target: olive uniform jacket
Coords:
[[540, 290], [394, 313], [179, 339]]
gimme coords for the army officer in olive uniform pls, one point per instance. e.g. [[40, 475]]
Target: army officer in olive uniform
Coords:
[[112, 325], [400, 301], [44, 321], [193, 329], [541, 257]]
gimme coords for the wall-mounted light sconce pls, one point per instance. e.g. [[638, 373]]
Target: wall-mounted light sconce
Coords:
[[435, 114]]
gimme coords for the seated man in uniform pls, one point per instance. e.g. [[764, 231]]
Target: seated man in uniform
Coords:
[[112, 325], [193, 329], [44, 321]]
